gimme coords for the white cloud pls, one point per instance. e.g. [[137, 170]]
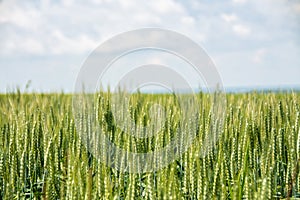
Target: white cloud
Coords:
[[239, 1], [18, 45], [67, 3], [63, 45], [229, 17], [74, 28], [31, 45], [188, 20], [59, 28], [100, 1], [25, 18], [241, 30], [296, 7], [167, 6]]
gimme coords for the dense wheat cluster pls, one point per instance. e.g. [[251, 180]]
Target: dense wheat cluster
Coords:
[[255, 157]]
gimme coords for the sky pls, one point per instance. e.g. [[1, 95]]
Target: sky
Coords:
[[252, 43]]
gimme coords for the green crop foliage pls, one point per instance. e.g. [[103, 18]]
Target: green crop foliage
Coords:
[[257, 154]]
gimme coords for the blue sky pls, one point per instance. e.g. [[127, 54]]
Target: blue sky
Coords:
[[253, 43]]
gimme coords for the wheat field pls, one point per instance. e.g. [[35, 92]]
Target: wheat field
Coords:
[[256, 155]]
